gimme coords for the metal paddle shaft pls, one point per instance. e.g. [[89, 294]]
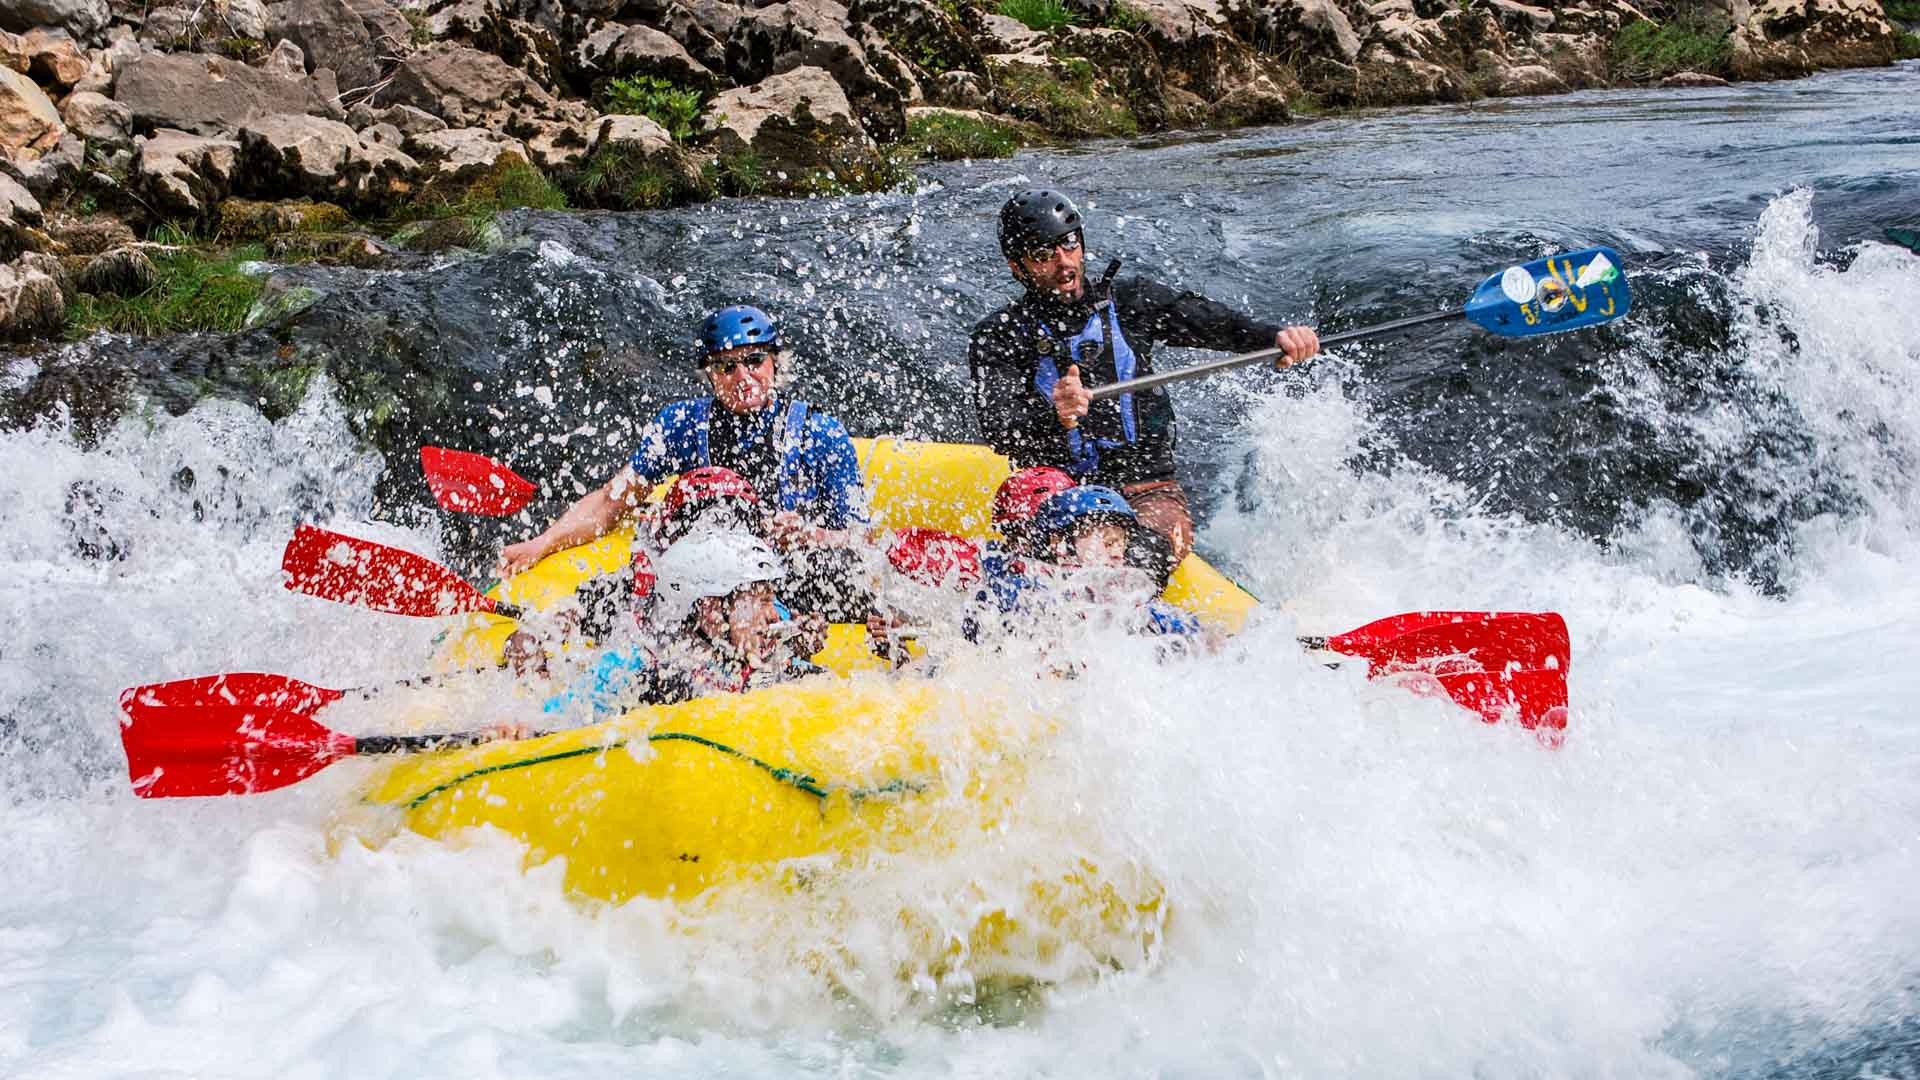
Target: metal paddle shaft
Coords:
[[1228, 363], [1546, 296]]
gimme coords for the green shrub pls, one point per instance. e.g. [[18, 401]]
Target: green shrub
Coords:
[[1694, 40], [1126, 17], [1907, 46], [1072, 107], [673, 107], [621, 177], [1905, 11], [1043, 15], [945, 137], [192, 290], [741, 173]]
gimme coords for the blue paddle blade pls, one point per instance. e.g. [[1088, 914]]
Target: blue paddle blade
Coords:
[[1559, 292]]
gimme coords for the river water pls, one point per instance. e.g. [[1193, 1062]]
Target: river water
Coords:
[[1715, 876]]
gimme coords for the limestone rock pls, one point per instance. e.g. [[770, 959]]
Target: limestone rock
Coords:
[[91, 235], [1307, 26], [463, 86], [702, 30], [286, 59], [98, 118], [290, 153], [28, 120], [463, 152], [19, 212], [615, 51], [209, 95], [31, 304], [1002, 35], [814, 33], [52, 171], [1525, 80], [1691, 80], [182, 173], [797, 123], [560, 144], [83, 19], [51, 57], [332, 36], [924, 32], [622, 127], [122, 271], [1520, 18], [390, 31]]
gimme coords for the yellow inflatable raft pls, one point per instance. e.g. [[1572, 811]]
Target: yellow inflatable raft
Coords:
[[674, 800]]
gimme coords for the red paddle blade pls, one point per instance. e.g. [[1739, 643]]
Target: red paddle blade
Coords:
[[233, 688], [1361, 640], [471, 483], [335, 566], [1497, 641], [1536, 698], [221, 749]]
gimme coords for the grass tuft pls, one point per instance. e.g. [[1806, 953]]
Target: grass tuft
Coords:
[[944, 137], [192, 290], [1045, 16]]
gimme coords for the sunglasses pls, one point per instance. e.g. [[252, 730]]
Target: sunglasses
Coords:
[[1069, 242], [753, 359]]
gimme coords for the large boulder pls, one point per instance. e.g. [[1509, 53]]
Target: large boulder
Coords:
[[28, 121], [19, 212], [210, 95], [31, 304], [81, 18], [1794, 37], [1301, 27], [331, 34], [1002, 35], [182, 173], [782, 37], [293, 155], [1130, 70], [937, 39], [51, 57], [702, 29], [98, 119], [392, 34], [614, 51], [50, 172], [462, 153], [464, 86], [797, 125]]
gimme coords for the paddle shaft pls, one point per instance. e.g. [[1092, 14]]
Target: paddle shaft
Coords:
[[409, 744], [1227, 363]]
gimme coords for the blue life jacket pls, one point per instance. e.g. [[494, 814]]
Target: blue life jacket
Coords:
[[819, 469], [1084, 348]]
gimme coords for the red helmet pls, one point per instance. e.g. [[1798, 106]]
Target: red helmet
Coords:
[[707, 484], [934, 557], [1020, 495]]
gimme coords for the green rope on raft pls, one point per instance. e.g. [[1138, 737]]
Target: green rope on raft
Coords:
[[793, 777]]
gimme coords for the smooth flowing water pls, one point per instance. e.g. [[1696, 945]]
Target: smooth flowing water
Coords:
[[1715, 876]]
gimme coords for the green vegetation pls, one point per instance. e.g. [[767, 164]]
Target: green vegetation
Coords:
[[246, 219], [421, 32], [192, 290], [673, 107], [1123, 16], [1071, 105], [946, 137], [1045, 16], [1696, 39], [244, 49], [741, 173], [621, 176], [1906, 11], [468, 210], [1907, 46]]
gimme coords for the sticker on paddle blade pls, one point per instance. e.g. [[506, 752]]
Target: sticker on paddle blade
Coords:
[[1559, 292]]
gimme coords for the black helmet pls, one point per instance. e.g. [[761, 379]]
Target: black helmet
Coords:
[[1034, 219]]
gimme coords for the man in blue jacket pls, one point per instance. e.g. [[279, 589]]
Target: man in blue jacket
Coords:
[[780, 446]]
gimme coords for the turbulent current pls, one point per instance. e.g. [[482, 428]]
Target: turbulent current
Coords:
[[1715, 876]]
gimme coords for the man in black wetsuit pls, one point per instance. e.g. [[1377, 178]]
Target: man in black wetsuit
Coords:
[[1034, 361]]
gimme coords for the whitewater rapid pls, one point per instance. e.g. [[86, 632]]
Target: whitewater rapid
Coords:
[[1714, 876]]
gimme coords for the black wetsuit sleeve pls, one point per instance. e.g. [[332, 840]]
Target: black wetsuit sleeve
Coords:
[[1161, 313], [1014, 419]]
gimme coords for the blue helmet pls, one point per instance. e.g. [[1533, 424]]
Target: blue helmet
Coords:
[[1066, 511], [741, 324]]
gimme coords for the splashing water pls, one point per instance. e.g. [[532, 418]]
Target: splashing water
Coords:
[[1714, 876]]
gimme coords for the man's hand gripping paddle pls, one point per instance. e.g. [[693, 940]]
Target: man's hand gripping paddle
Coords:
[[1547, 296]]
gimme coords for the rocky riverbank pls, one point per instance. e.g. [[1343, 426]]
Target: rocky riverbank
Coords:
[[151, 152]]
